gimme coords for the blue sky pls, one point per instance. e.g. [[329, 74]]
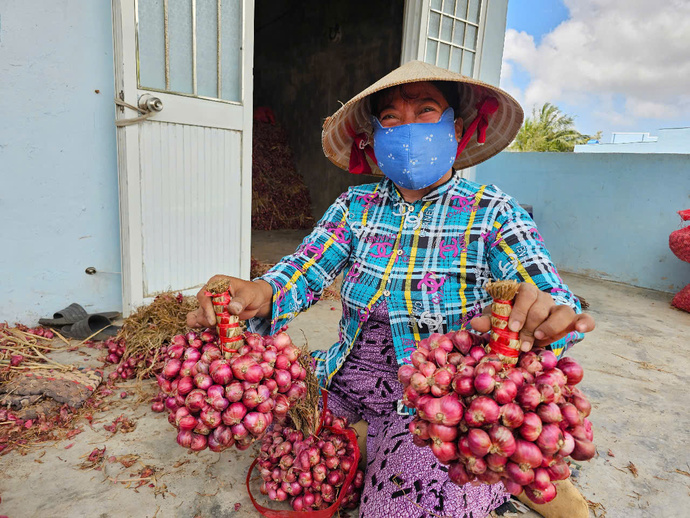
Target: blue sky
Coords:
[[613, 65]]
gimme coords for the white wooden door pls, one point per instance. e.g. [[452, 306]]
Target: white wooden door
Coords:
[[184, 171]]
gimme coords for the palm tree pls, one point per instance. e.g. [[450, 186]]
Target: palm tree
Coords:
[[548, 130]]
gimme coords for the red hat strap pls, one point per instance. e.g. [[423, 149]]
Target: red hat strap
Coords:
[[360, 148], [486, 107]]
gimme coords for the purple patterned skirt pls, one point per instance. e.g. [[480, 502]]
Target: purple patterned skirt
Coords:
[[402, 480]]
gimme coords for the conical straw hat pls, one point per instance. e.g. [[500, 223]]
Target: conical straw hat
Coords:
[[355, 114]]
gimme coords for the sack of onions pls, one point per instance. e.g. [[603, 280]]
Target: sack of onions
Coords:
[[219, 402], [314, 471], [493, 414]]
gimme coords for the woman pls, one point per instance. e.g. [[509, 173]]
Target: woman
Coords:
[[415, 251]]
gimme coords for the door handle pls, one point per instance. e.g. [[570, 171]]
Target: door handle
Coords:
[[149, 103], [148, 106]]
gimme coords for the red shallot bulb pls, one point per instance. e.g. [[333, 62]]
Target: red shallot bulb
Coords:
[[512, 487], [199, 442], [583, 450], [256, 423], [484, 382], [549, 413], [496, 462], [462, 341], [234, 392], [512, 415], [528, 397], [479, 442], [530, 362], [519, 473], [531, 426], [505, 391], [572, 370], [527, 453], [550, 439], [446, 410], [541, 496], [547, 359], [457, 474], [203, 381], [445, 452], [482, 410], [438, 341], [234, 414], [196, 400], [502, 440], [172, 368], [184, 438], [559, 470], [417, 357]]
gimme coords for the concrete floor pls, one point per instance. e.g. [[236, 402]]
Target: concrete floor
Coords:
[[636, 376]]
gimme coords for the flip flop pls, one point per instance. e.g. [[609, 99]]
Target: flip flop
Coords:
[[73, 314], [69, 315], [86, 328]]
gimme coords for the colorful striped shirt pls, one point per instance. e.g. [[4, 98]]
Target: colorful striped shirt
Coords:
[[429, 260]]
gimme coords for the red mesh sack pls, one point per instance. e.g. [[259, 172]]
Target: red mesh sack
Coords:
[[679, 243], [682, 299]]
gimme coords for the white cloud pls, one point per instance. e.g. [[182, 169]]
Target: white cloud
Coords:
[[634, 50]]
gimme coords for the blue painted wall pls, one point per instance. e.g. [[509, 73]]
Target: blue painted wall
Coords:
[[605, 216], [58, 169]]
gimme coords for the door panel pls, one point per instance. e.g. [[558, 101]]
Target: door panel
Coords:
[[189, 225], [185, 171]]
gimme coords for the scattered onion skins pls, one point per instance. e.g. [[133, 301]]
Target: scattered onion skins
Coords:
[[217, 402], [310, 471], [495, 422]]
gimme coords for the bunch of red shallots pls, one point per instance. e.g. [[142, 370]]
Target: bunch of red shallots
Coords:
[[127, 369], [310, 471], [497, 422], [219, 402]]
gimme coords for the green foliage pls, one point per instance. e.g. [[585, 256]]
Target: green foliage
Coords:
[[548, 130]]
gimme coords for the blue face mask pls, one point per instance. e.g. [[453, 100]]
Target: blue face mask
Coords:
[[415, 156]]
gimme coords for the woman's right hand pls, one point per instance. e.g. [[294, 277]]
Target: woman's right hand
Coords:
[[249, 299]]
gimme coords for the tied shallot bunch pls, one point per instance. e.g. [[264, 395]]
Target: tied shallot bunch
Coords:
[[495, 422], [309, 471], [219, 402]]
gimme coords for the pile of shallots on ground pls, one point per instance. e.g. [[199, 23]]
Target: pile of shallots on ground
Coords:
[[498, 423], [310, 471], [218, 403]]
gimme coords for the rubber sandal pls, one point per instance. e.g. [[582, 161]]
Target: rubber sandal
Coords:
[[87, 327], [73, 314], [69, 315]]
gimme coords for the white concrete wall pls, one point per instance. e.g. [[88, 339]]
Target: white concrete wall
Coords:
[[58, 201]]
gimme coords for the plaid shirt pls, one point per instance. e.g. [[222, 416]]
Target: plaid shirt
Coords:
[[429, 261]]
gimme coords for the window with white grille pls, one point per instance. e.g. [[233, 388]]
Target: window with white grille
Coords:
[[452, 34]]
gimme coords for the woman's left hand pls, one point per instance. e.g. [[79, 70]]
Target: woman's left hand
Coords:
[[538, 318]]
